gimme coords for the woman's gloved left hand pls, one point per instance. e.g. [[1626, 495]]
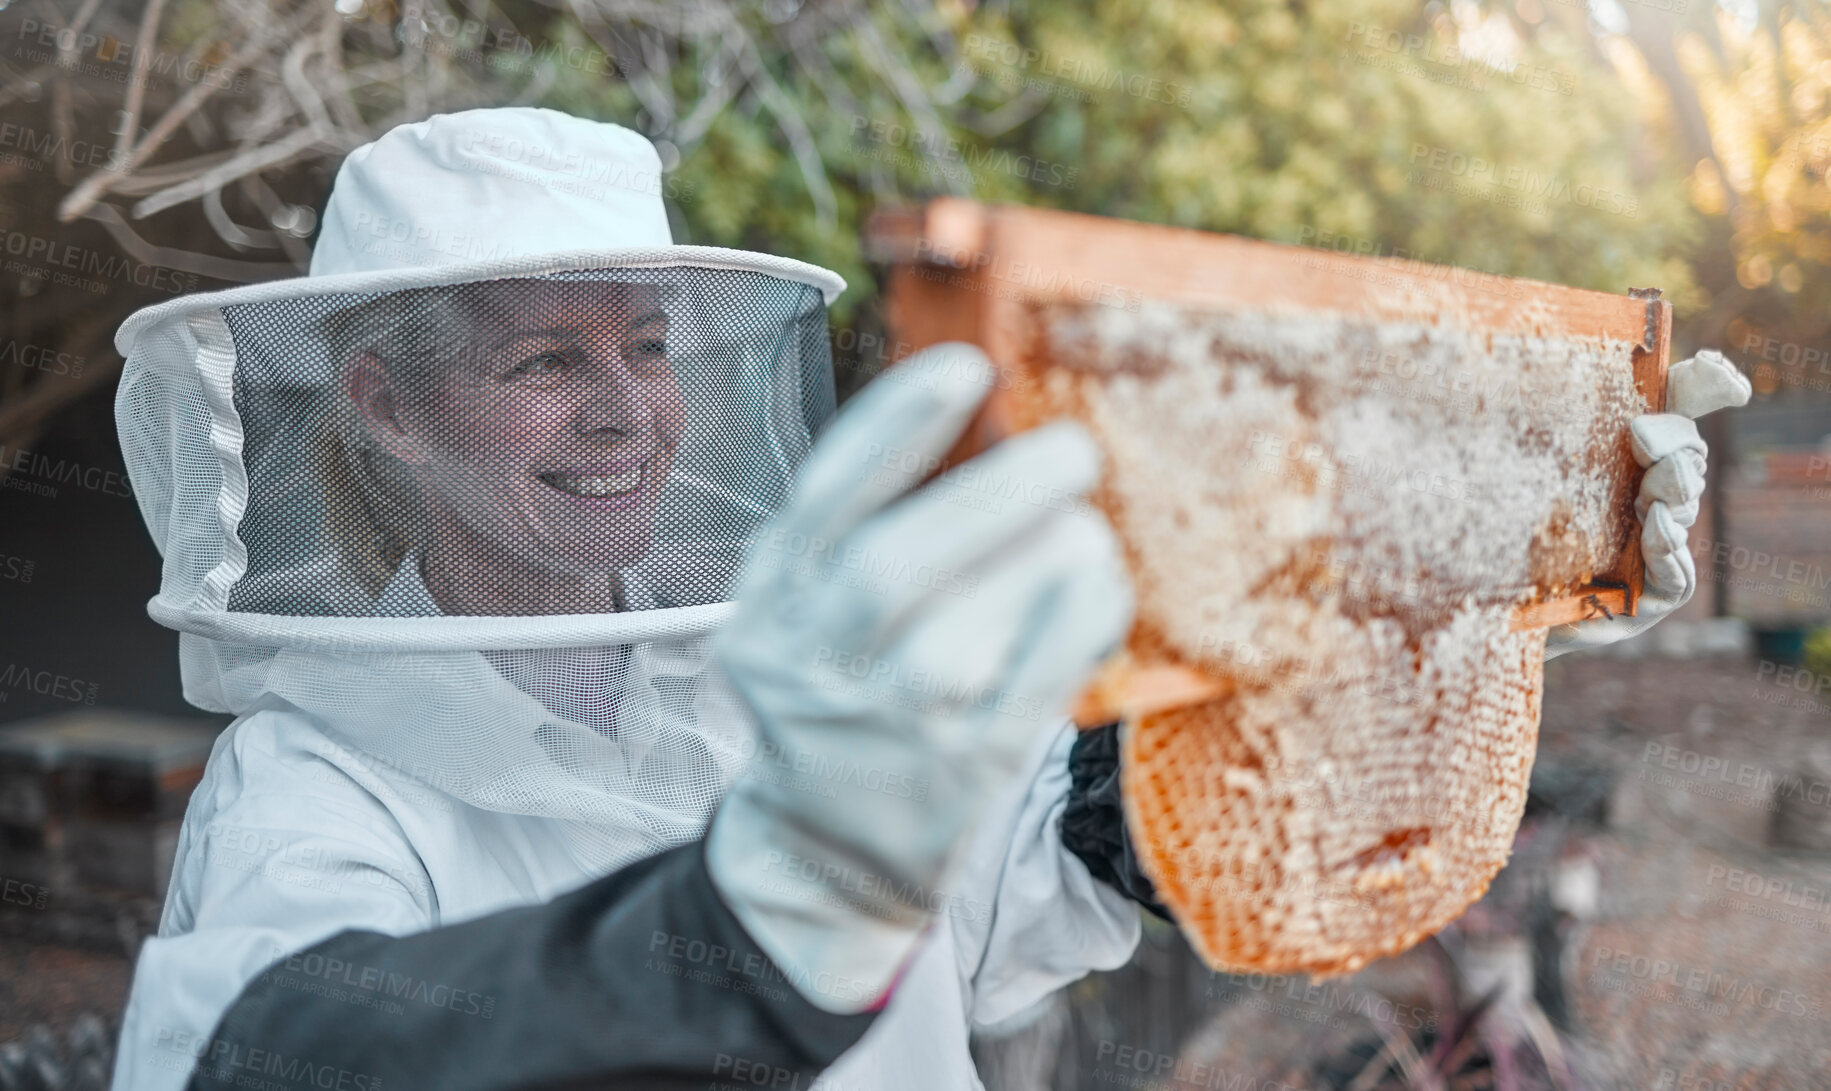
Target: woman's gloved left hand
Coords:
[[1668, 446], [906, 644]]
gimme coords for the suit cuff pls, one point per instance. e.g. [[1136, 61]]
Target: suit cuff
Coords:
[[1093, 824]]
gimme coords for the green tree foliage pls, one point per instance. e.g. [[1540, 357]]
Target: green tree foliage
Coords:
[[1363, 125], [1767, 91], [1366, 121], [1676, 149]]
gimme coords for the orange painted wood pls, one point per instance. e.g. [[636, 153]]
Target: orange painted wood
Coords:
[[1596, 602], [1044, 255]]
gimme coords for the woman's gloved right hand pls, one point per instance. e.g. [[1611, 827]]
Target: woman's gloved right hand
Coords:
[[1668, 447], [901, 652]]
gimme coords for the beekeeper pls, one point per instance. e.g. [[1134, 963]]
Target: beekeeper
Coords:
[[520, 793]]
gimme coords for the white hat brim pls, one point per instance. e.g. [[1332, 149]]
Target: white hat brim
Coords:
[[831, 284]]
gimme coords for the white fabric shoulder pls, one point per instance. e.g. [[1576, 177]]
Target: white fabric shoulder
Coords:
[[281, 848], [274, 788]]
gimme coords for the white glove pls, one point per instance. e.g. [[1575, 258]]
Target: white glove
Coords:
[[903, 652], [1668, 446]]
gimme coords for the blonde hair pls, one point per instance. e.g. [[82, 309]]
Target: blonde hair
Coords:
[[374, 513]]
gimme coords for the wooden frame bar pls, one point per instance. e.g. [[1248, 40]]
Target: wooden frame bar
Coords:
[[963, 271]]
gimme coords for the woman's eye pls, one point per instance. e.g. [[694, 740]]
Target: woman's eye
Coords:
[[534, 367], [652, 346]]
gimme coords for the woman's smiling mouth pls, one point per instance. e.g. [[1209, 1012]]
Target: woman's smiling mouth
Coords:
[[598, 486]]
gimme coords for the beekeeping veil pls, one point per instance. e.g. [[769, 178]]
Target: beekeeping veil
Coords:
[[473, 493]]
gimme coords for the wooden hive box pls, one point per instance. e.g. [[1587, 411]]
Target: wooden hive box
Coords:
[[1353, 493]]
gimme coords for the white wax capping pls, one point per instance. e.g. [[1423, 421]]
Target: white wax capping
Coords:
[[1339, 516], [1385, 469]]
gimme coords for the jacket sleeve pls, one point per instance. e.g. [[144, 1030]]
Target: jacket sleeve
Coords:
[[642, 979], [1050, 921], [1093, 822]]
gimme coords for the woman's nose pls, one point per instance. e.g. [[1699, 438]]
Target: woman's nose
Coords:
[[614, 402]]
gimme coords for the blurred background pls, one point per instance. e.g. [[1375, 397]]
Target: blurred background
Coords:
[[1666, 920]]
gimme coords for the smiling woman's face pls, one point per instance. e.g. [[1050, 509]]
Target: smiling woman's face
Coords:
[[546, 438]]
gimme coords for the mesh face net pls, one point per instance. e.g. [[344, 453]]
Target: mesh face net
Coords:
[[437, 485], [592, 444]]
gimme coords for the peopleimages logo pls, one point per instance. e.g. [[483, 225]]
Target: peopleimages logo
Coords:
[[943, 149], [1352, 472], [1077, 71], [875, 893], [1117, 1062], [385, 983], [971, 477], [1323, 996], [404, 238], [746, 1073], [1787, 892], [47, 684], [500, 47], [1704, 982], [31, 895], [1789, 353], [1259, 665], [39, 358], [1488, 65], [114, 60], [839, 770], [694, 959], [876, 676], [49, 147], [23, 463], [529, 161], [239, 1064], [780, 548], [1410, 263], [1522, 180], [1023, 278], [51, 254]]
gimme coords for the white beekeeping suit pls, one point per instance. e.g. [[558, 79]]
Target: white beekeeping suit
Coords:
[[454, 527]]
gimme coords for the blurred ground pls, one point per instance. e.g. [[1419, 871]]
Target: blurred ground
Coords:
[[52, 985]]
